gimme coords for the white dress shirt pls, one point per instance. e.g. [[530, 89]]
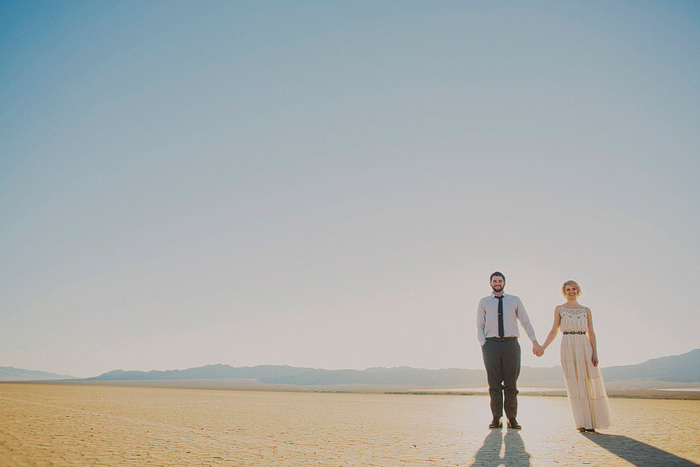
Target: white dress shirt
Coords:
[[513, 310]]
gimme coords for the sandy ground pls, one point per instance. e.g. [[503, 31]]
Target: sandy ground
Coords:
[[54, 424]]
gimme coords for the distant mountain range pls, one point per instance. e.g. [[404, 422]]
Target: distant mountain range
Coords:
[[683, 368], [8, 373], [680, 368], [306, 376]]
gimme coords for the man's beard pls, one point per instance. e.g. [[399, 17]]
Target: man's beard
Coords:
[[497, 288]]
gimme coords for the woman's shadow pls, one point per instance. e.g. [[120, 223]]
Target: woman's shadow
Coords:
[[489, 455], [637, 453]]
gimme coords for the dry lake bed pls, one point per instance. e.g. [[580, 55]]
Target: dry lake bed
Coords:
[[76, 425]]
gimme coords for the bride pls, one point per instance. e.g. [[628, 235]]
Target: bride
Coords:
[[579, 361]]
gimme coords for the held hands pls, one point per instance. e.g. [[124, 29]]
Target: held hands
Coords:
[[537, 349]]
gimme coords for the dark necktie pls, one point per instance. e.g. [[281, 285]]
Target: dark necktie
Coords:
[[501, 333]]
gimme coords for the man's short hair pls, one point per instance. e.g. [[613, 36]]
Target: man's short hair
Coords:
[[497, 274]]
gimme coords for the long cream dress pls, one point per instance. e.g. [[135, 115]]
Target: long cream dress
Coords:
[[584, 382]]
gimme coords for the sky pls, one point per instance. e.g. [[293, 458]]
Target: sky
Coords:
[[330, 184]]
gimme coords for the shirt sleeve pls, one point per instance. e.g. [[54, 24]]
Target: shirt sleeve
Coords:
[[481, 324], [525, 320]]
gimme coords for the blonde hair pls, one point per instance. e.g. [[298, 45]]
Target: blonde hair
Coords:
[[572, 284]]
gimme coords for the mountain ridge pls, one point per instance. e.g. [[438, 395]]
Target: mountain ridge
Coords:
[[684, 368], [9, 373]]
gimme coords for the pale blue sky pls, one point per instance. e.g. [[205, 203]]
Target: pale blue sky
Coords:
[[330, 184]]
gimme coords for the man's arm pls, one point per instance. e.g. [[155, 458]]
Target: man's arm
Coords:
[[529, 330], [481, 324]]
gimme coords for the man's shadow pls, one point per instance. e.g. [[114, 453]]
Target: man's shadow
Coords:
[[489, 455], [635, 452]]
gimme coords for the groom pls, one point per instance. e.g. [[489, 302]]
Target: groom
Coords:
[[497, 330]]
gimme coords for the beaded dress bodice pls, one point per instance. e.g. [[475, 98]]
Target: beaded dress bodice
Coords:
[[574, 319]]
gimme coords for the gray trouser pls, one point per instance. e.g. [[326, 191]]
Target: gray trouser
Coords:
[[502, 362]]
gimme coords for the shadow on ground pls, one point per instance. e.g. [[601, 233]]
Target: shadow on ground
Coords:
[[637, 453], [489, 455]]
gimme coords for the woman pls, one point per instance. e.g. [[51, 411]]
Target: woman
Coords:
[[579, 361]]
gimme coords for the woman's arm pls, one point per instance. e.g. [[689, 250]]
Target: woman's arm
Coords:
[[555, 328], [591, 337]]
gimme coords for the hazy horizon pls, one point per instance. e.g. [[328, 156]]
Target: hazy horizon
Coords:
[[314, 368], [330, 185], [311, 368]]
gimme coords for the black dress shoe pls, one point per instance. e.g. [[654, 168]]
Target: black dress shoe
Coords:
[[495, 423], [513, 423]]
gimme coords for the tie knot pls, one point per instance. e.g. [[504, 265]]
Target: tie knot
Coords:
[[500, 297]]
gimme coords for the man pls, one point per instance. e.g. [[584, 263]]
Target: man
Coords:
[[497, 330]]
